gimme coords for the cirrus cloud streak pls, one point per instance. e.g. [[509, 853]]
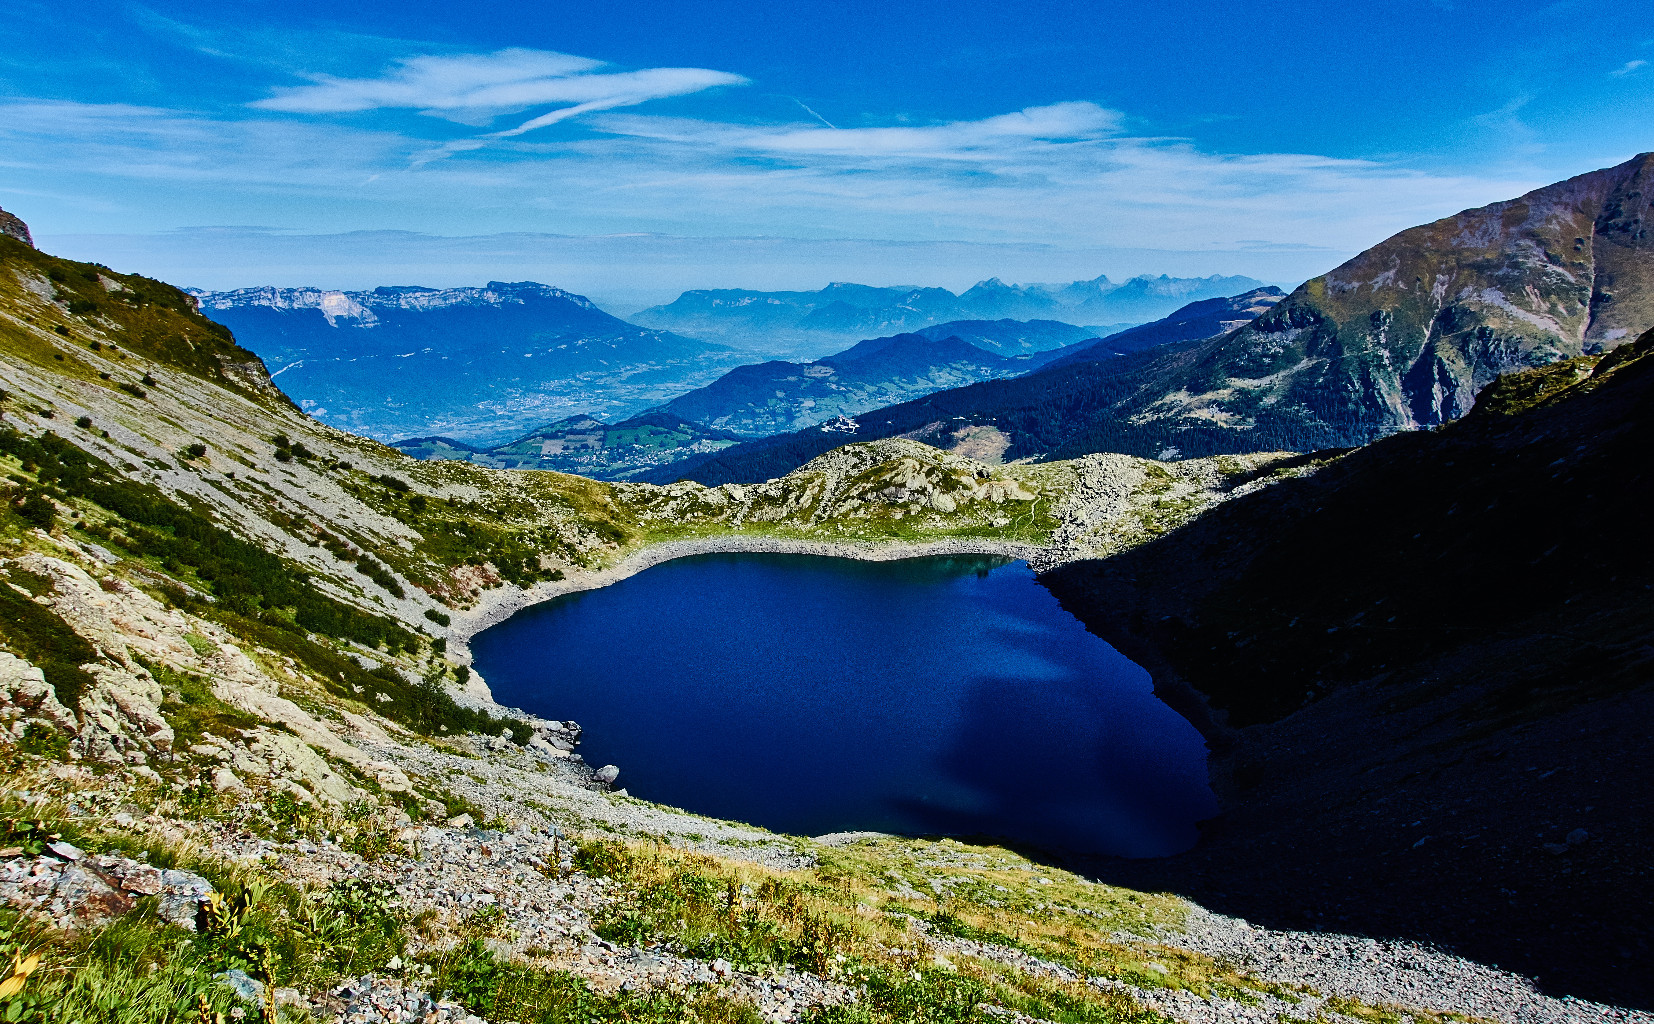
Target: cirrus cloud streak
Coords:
[[488, 84]]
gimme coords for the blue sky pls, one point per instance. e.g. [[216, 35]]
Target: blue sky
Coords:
[[631, 149]]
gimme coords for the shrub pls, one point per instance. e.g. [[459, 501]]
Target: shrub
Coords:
[[38, 509], [440, 618], [195, 451], [83, 422], [40, 738]]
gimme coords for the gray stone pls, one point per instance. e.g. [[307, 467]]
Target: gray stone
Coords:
[[68, 851], [1578, 836], [245, 986], [607, 774]]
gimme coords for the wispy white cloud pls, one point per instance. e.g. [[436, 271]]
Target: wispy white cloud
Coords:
[[957, 140], [1066, 174], [1629, 67], [494, 83]]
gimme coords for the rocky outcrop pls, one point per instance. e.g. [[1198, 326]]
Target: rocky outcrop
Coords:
[[12, 226], [26, 698], [76, 891], [1408, 332]]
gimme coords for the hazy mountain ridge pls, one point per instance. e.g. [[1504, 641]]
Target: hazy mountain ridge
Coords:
[[1400, 337], [1016, 418], [776, 397], [765, 398], [804, 323], [482, 363], [1201, 319]]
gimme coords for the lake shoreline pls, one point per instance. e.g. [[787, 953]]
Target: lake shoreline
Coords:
[[500, 604]]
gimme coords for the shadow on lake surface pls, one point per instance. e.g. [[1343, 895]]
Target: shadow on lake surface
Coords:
[[812, 695]]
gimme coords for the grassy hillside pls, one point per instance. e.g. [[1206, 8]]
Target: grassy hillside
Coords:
[[242, 766]]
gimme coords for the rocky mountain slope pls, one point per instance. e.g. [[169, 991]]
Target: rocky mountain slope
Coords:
[[14, 227], [1430, 664], [1400, 337], [248, 774], [806, 325], [483, 364]]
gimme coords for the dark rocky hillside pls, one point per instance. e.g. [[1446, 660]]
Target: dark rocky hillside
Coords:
[[1426, 669]]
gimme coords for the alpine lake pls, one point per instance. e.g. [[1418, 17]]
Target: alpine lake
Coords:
[[809, 695]]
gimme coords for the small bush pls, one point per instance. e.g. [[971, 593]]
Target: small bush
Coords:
[[40, 738], [83, 422], [195, 451], [440, 618], [38, 509], [603, 858]]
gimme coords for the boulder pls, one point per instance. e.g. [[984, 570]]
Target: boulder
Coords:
[[26, 697], [225, 781]]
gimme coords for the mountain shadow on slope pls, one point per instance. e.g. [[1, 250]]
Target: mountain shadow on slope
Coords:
[[1425, 671]]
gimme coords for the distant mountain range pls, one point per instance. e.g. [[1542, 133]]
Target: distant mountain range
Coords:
[[485, 364], [1401, 337], [766, 398], [808, 324], [774, 397], [968, 418]]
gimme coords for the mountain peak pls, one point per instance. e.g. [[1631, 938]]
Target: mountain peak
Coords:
[[12, 226]]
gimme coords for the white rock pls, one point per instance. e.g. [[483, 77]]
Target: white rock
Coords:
[[225, 781]]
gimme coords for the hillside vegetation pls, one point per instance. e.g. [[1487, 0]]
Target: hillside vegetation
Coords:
[[250, 773]]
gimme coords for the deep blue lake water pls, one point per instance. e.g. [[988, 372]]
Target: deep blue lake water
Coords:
[[812, 695]]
